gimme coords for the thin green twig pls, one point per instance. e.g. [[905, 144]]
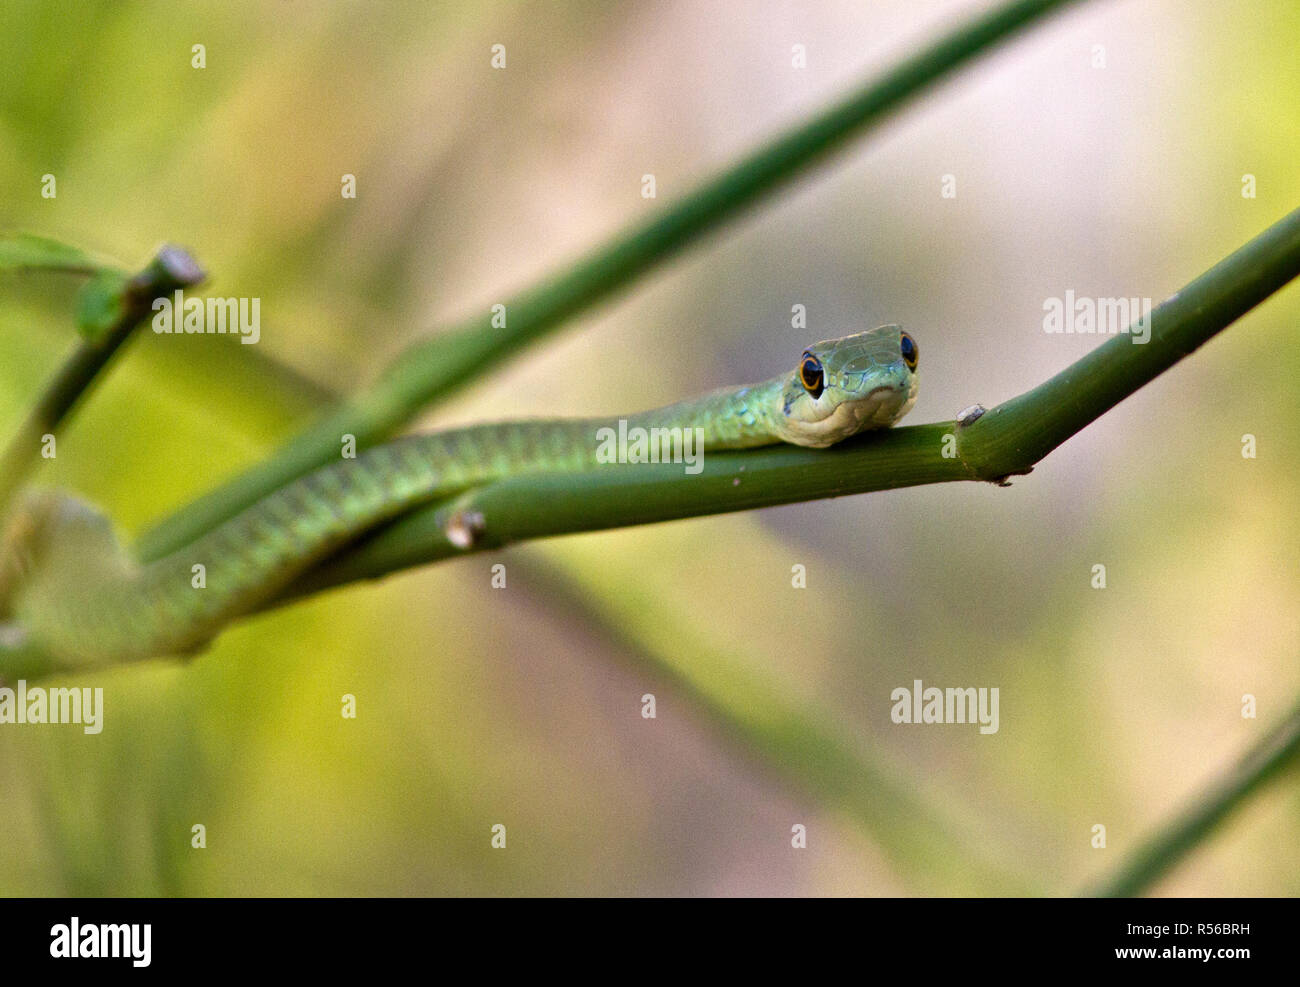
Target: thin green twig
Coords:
[[435, 367], [929, 840], [1265, 762], [170, 269]]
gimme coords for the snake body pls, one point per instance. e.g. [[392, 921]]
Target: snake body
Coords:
[[72, 588]]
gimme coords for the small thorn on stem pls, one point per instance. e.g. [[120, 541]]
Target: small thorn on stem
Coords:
[[464, 528], [1005, 481]]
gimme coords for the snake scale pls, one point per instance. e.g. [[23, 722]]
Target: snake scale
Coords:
[[69, 587]]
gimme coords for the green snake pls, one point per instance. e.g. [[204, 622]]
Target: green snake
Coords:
[[71, 589]]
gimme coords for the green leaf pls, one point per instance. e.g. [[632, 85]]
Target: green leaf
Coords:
[[25, 252], [101, 304]]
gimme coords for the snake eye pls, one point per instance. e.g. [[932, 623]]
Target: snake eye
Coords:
[[910, 353], [812, 376]]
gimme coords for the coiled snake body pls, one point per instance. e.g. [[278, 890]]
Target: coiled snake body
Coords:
[[69, 586]]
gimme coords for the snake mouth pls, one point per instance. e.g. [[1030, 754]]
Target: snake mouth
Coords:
[[882, 405]]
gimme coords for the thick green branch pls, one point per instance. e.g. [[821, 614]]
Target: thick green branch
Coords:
[[435, 367], [1020, 432], [1266, 761], [615, 496], [1005, 441]]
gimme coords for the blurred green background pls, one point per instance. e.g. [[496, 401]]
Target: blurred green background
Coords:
[[522, 706]]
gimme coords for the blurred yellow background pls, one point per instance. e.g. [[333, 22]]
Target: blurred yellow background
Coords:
[[522, 706]]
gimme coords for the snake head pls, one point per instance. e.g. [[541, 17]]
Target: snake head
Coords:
[[849, 385]]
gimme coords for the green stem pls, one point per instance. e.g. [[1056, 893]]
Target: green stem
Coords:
[[1005, 441], [929, 839], [170, 269], [1020, 432], [1265, 762], [434, 368]]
